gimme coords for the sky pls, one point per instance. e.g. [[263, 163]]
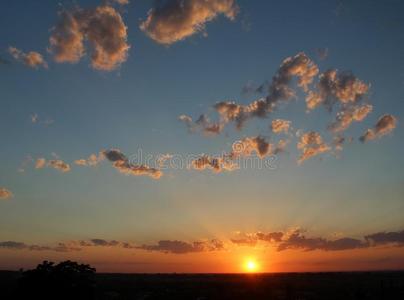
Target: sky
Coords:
[[198, 135]]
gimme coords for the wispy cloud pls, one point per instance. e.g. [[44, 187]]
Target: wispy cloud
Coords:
[[57, 164], [5, 193], [91, 161], [172, 21], [31, 59], [35, 119]]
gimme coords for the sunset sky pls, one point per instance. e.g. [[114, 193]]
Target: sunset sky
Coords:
[[199, 135]]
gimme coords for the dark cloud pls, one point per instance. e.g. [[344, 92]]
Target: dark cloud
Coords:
[[60, 247], [101, 242], [383, 238], [175, 20], [384, 125], [102, 27], [123, 165], [181, 247], [297, 240], [12, 245]]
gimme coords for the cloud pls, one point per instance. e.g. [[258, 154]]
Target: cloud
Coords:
[[384, 125], [12, 245], [102, 27], [249, 145], [348, 115], [336, 87], [245, 147], [300, 66], [57, 164], [251, 88], [31, 59], [299, 241], [91, 161], [202, 124], [101, 242], [35, 119], [40, 163], [251, 239], [310, 145], [279, 126], [383, 238], [181, 247], [338, 143], [173, 21], [217, 164], [230, 111], [60, 247], [5, 193], [123, 165]]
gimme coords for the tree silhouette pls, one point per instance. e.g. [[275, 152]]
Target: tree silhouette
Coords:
[[66, 280]]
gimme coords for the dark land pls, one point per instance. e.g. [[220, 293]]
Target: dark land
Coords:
[[302, 286]]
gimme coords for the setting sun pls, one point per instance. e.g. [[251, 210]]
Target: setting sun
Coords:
[[251, 266]]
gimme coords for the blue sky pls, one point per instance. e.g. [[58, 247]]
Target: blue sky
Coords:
[[137, 106]]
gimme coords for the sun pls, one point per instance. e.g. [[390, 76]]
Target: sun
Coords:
[[251, 266]]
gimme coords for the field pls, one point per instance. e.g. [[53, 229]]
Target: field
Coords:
[[330, 286]]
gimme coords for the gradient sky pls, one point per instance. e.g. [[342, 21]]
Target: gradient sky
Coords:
[[135, 107]]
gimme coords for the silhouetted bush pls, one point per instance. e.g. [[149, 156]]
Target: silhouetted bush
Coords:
[[66, 280]]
